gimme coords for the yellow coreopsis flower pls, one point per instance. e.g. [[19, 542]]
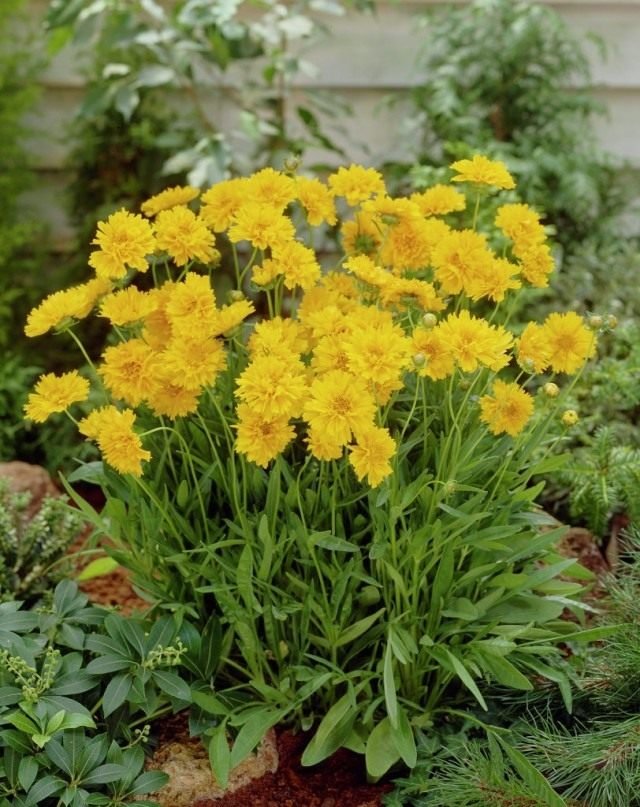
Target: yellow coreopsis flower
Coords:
[[322, 448], [190, 306], [278, 336], [262, 226], [370, 456], [118, 442], [222, 201], [379, 355], [473, 341], [169, 398], [230, 316], [521, 224], [128, 305], [483, 171], [536, 264], [261, 437], [459, 256], [361, 235], [295, 262], [493, 279], [124, 240], [70, 304], [129, 370], [409, 244], [330, 354], [168, 198], [185, 236], [339, 405], [439, 200], [356, 183], [438, 359], [507, 410], [317, 201], [569, 340], [533, 349], [271, 188], [274, 386], [194, 360], [55, 394]]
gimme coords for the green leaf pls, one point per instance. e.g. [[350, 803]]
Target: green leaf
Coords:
[[220, 754], [381, 752], [251, 733], [104, 774], [359, 628], [451, 662], [105, 665], [22, 722], [531, 776], [326, 540], [77, 720], [116, 693], [332, 731], [27, 772], [182, 494], [148, 782], [59, 756], [209, 702], [173, 685], [97, 568], [503, 671], [390, 696], [43, 789], [404, 739]]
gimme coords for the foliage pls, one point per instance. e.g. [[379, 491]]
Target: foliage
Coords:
[[364, 591], [241, 55], [69, 726], [509, 78], [15, 380], [31, 550]]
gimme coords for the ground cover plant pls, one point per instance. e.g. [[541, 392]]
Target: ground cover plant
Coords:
[[79, 687], [336, 464]]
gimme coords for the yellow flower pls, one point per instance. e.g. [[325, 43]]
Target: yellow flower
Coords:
[[361, 235], [128, 305], [364, 268], [474, 341], [169, 398], [390, 211], [570, 342], [371, 454], [129, 370], [570, 417], [124, 240], [195, 361], [408, 245], [261, 437], [537, 264], [330, 354], [438, 358], [338, 406], [533, 349], [168, 198], [521, 224], [222, 201], [458, 257], [73, 303], [322, 448], [483, 171], [184, 236], [316, 199], [278, 336], [508, 410], [263, 226], [119, 444], [274, 386], [191, 305], [493, 279], [356, 183], [230, 316], [271, 188], [157, 328], [297, 263], [439, 200], [55, 394], [379, 355]]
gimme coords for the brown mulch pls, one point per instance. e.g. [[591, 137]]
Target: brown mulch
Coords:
[[340, 781]]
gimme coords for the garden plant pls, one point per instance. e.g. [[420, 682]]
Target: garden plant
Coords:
[[336, 464]]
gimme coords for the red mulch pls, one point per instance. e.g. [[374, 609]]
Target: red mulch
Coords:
[[340, 781]]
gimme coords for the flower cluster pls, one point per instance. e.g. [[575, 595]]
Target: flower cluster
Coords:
[[414, 296]]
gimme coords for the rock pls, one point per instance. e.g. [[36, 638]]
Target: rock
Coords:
[[31, 478], [191, 780]]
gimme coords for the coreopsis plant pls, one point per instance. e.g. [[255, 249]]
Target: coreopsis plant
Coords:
[[337, 462]]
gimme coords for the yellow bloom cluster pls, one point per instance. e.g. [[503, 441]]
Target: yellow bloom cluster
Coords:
[[400, 302]]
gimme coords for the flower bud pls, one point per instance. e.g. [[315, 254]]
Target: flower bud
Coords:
[[236, 296], [570, 417], [370, 595], [551, 390], [291, 164], [528, 365], [450, 487], [429, 320], [595, 322], [419, 360], [611, 321]]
